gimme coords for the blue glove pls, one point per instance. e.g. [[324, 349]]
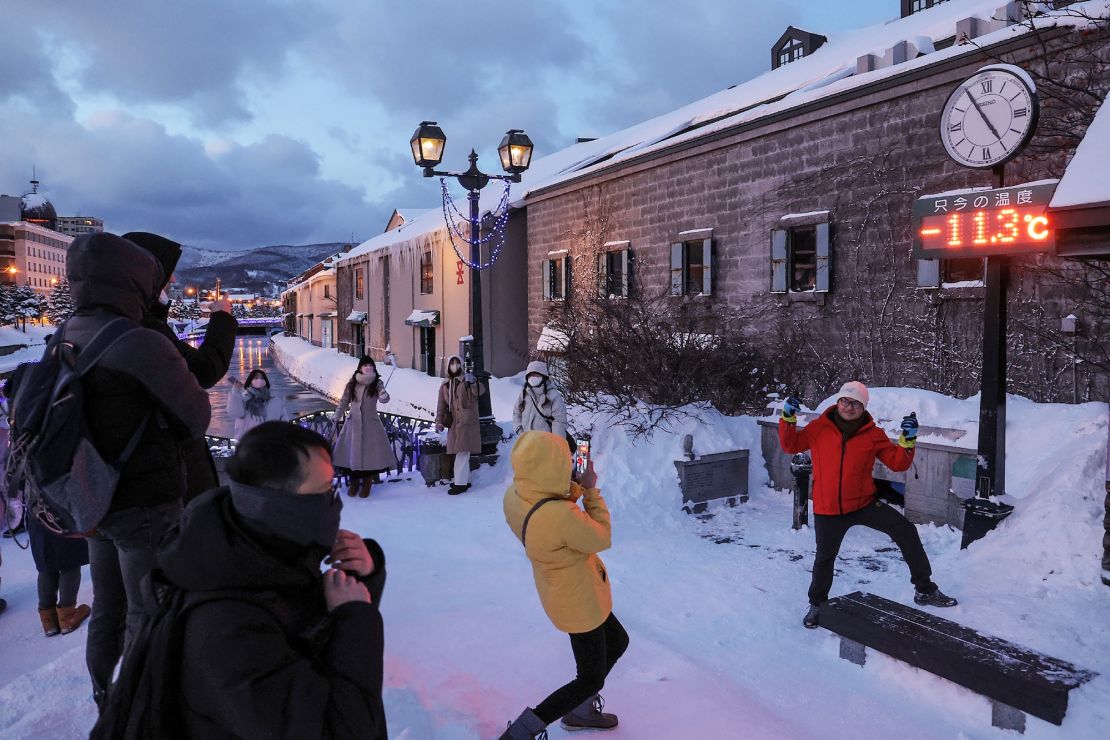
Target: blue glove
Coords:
[[909, 432], [469, 378], [790, 408]]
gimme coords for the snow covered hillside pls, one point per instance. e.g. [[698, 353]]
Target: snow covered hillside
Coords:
[[713, 604]]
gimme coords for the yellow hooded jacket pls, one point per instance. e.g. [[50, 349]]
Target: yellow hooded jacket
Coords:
[[562, 539]]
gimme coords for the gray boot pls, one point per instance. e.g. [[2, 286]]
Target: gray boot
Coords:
[[527, 727], [588, 715]]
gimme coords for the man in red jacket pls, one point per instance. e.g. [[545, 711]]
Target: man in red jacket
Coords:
[[844, 443]]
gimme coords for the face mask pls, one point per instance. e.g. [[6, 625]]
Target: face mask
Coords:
[[535, 380], [307, 519], [454, 368], [258, 383]]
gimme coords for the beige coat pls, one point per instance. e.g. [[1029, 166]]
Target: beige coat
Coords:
[[461, 399], [362, 444], [562, 540]]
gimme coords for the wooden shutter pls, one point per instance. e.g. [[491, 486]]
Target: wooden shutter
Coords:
[[707, 267], [928, 273], [625, 262], [678, 268], [824, 260], [547, 279], [566, 277], [603, 275], [778, 260]]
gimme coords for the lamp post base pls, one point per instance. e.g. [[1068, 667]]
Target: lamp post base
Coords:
[[981, 516]]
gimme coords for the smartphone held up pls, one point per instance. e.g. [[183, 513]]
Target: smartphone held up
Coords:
[[581, 456]]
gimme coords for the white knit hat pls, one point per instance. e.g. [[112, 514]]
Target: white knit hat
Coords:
[[854, 390], [537, 366]]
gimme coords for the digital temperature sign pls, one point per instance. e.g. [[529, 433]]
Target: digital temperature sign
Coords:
[[982, 223]]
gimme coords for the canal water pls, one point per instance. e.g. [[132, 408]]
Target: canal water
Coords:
[[251, 352]]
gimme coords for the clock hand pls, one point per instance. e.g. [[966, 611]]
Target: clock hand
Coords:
[[983, 115]]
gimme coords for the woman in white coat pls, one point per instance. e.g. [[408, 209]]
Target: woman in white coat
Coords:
[[363, 446], [541, 407], [253, 403]]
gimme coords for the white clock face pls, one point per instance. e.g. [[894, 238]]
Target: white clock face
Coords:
[[988, 118]]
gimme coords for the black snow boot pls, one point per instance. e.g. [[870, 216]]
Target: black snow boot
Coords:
[[526, 727], [809, 621], [588, 716], [455, 490], [933, 598]]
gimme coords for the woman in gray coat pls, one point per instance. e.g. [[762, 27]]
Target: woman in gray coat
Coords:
[[362, 446], [541, 407], [457, 411]]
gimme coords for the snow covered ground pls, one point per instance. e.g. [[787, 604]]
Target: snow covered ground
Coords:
[[32, 342], [713, 605]]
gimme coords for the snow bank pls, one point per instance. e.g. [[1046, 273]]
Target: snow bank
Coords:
[[412, 393], [31, 342]]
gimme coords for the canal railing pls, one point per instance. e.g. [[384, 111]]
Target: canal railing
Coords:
[[406, 435]]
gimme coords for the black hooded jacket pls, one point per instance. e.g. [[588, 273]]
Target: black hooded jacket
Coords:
[[141, 377], [269, 660], [209, 361]]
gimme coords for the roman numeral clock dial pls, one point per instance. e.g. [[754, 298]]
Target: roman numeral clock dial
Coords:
[[990, 117]]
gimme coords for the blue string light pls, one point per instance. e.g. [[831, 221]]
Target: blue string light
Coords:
[[498, 231]]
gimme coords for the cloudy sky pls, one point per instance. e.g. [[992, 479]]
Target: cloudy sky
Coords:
[[238, 123]]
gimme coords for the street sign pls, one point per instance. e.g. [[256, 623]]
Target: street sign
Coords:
[[983, 223]]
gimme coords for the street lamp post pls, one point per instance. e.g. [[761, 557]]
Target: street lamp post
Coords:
[[515, 152]]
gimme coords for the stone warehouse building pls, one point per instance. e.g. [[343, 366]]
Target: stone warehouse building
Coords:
[[407, 290], [791, 196]]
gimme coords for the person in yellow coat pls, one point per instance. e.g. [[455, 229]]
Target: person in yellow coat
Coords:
[[562, 541]]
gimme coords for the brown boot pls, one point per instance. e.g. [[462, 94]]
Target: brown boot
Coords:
[[49, 619], [364, 492], [71, 617]]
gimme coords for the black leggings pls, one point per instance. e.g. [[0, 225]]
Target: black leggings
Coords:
[[59, 588], [595, 654], [831, 528]]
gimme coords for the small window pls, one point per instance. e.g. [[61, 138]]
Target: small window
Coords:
[[426, 272], [800, 259], [692, 267], [327, 291], [556, 278], [793, 51], [963, 271], [614, 273], [359, 285]]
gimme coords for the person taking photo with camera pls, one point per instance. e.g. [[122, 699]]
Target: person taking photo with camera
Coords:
[[562, 541]]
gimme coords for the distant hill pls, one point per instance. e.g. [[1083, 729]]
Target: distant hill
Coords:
[[253, 269]]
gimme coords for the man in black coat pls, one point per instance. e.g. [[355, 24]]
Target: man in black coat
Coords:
[[140, 382], [285, 651], [207, 362]]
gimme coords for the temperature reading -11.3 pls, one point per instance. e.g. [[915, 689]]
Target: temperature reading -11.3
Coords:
[[984, 222]]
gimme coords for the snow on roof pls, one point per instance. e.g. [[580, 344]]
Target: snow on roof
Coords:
[[828, 70], [1085, 182]]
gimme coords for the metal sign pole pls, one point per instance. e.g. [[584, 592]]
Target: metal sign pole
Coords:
[[983, 514]]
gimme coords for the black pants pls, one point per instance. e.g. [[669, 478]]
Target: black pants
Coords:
[[831, 529], [59, 587], [121, 554], [595, 654]]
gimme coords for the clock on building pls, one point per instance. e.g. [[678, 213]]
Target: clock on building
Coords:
[[990, 116]]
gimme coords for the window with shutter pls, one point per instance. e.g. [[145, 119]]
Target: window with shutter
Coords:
[[928, 273], [678, 272], [603, 289], [565, 292], [625, 263], [548, 287], [802, 247], [707, 267], [823, 263], [778, 260]]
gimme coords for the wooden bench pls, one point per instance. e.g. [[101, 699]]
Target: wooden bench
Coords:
[[1016, 680]]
